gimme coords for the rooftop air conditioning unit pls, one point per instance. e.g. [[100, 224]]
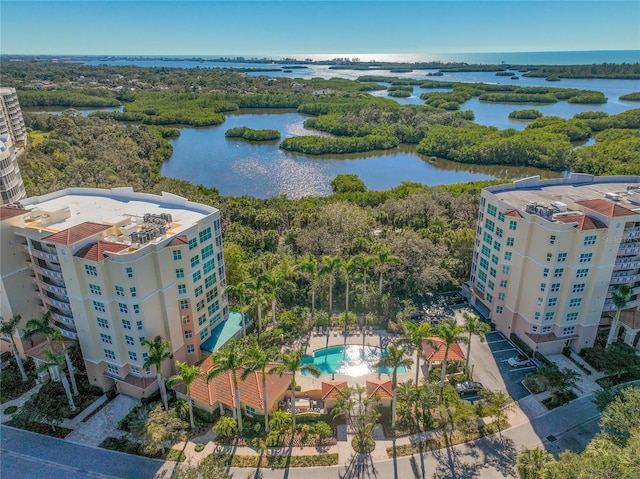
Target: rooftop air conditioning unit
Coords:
[[613, 196]]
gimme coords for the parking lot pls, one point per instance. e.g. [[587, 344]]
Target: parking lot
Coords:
[[502, 349]]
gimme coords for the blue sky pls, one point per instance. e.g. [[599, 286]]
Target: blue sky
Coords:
[[275, 28]]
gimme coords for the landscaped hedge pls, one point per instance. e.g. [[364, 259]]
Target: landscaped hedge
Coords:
[[250, 134], [276, 462]]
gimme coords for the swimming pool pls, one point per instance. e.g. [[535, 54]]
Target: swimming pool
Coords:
[[352, 360]]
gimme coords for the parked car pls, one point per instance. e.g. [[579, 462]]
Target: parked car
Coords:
[[468, 388], [519, 361]]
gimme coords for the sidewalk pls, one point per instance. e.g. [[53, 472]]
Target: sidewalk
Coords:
[[18, 402]]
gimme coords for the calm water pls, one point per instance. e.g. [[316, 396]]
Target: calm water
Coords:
[[352, 360], [236, 167]]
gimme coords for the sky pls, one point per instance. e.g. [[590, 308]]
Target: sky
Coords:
[[299, 27]]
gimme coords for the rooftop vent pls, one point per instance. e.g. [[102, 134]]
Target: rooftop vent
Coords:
[[613, 196]]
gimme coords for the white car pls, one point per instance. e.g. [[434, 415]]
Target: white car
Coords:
[[519, 361]]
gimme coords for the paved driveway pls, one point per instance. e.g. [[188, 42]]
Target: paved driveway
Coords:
[[502, 349]]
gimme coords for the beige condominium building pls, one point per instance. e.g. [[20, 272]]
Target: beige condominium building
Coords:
[[114, 267], [13, 134], [548, 256]]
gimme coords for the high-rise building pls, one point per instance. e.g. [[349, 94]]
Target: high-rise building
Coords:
[[549, 256], [113, 267], [12, 134]]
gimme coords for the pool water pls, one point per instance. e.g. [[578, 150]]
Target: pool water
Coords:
[[353, 360]]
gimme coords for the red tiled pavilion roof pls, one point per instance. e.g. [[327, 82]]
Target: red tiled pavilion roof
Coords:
[[380, 387], [435, 353], [331, 389], [76, 233], [585, 222], [606, 207], [97, 251], [178, 241]]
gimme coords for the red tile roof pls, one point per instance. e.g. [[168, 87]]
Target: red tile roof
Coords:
[[331, 389], [220, 388], [584, 222], [6, 212], [436, 353], [76, 233], [606, 207], [178, 241], [514, 213], [97, 251], [382, 388]]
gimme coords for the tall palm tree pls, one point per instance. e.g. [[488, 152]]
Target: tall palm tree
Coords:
[[187, 374], [450, 333], [292, 363], [349, 266], [395, 359], [273, 280], [57, 335], [366, 262], [473, 325], [383, 257], [345, 403], [55, 361], [159, 350], [256, 286], [231, 359], [310, 267], [239, 291], [329, 267], [8, 328], [416, 335], [620, 297], [45, 327], [258, 360]]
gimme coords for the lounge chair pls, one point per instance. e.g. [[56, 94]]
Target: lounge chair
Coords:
[[335, 332], [315, 331]]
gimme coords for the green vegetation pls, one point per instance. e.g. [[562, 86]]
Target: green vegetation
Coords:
[[348, 184], [631, 96], [603, 70], [316, 145], [250, 134], [525, 114], [68, 98]]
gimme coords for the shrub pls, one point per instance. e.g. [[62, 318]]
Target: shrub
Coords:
[[10, 410], [199, 447], [176, 455]]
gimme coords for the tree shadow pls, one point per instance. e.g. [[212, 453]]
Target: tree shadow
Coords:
[[360, 466]]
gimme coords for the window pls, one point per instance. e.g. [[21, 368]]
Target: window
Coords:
[[213, 307], [179, 273], [503, 283], [497, 246], [208, 266], [186, 319], [188, 334], [141, 339], [510, 241], [98, 306], [129, 272], [204, 333], [109, 354], [575, 302], [546, 329], [119, 291], [534, 329], [124, 309], [212, 294], [214, 320], [202, 319], [184, 304], [494, 259], [555, 287], [572, 317], [500, 216], [211, 280], [126, 324], [487, 238], [552, 302], [585, 257], [105, 338], [95, 289], [562, 257], [500, 296], [499, 232], [177, 255], [552, 239], [139, 325], [200, 305], [486, 251], [196, 276], [578, 288], [491, 210], [193, 242], [113, 369], [129, 340], [207, 251], [490, 225], [498, 309], [190, 348], [484, 264], [543, 286], [216, 226], [133, 292], [507, 255], [513, 225], [132, 356], [540, 301], [482, 275], [136, 308], [182, 289], [549, 316], [135, 371], [492, 272], [588, 240], [582, 273], [205, 235], [536, 316], [195, 261], [491, 285], [249, 410], [506, 269], [558, 272], [198, 291], [568, 330], [545, 272], [90, 270], [549, 257], [103, 323]]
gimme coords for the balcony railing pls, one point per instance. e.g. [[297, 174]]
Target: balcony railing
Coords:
[[610, 306], [42, 255], [63, 319], [53, 289], [631, 233], [627, 264], [625, 278], [68, 334], [47, 272], [57, 304], [629, 248]]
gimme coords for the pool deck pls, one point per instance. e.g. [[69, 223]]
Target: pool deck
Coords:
[[379, 339]]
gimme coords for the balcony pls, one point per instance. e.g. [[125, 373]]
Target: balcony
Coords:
[[57, 304], [610, 306], [631, 233], [68, 334], [45, 256], [46, 272], [621, 264], [63, 319], [53, 289], [629, 248]]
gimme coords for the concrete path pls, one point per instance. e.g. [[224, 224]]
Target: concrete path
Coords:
[[18, 402]]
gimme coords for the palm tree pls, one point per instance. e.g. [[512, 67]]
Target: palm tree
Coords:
[[620, 296], [257, 289], [57, 335], [292, 363], [395, 359], [417, 334], [366, 261], [8, 328], [45, 327], [310, 266], [273, 280], [159, 350], [258, 360], [231, 358], [349, 267], [344, 404], [473, 325], [187, 374], [239, 291], [450, 333], [329, 267], [383, 256], [531, 462], [55, 362]]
